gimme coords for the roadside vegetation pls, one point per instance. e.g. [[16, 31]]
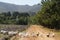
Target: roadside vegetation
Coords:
[[49, 16]]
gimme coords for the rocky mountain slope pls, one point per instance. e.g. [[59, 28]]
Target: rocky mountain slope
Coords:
[[5, 7]]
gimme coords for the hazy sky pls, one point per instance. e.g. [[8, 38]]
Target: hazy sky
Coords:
[[22, 2]]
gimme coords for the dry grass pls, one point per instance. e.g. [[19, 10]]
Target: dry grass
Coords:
[[1, 35]]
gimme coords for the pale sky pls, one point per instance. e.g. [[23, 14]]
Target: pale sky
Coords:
[[22, 2]]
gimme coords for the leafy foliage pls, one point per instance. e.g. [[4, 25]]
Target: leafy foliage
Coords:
[[49, 15], [14, 18]]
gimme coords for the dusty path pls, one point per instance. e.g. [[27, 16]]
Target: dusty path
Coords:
[[35, 29]]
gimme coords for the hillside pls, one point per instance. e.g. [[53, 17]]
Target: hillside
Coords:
[[5, 7], [35, 29]]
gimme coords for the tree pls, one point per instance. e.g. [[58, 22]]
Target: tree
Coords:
[[17, 18], [50, 14]]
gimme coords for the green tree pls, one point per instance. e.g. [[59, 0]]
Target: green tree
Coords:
[[50, 14]]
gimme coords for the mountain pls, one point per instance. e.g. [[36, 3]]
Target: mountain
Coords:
[[35, 8], [5, 7]]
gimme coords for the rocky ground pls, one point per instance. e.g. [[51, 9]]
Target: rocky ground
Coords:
[[35, 29]]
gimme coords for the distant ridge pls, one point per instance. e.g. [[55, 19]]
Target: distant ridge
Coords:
[[5, 7]]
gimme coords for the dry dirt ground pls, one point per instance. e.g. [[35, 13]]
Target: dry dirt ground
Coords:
[[37, 29]]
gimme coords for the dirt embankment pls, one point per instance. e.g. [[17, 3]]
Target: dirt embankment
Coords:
[[35, 29]]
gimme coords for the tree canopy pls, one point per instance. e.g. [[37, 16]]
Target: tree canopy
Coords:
[[14, 18], [49, 15]]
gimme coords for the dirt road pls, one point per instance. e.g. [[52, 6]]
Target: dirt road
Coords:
[[35, 29]]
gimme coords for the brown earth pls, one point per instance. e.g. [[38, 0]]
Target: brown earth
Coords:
[[37, 29]]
